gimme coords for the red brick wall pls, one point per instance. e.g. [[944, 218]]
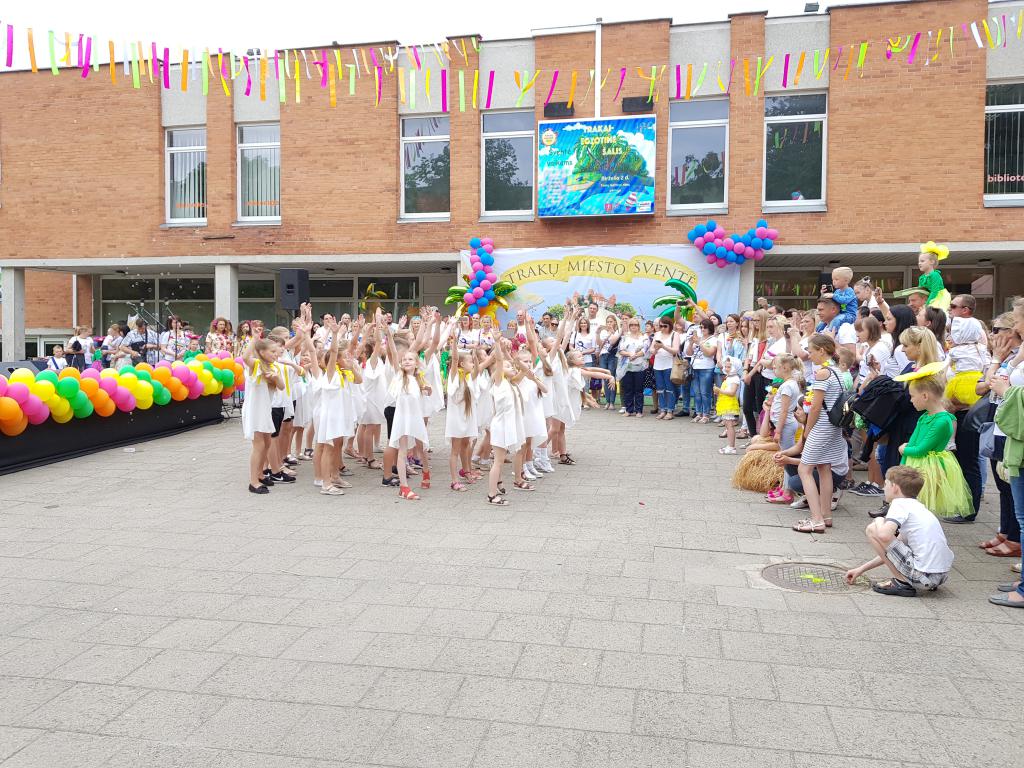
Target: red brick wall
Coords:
[[83, 159]]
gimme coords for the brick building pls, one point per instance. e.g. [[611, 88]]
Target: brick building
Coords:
[[111, 195]]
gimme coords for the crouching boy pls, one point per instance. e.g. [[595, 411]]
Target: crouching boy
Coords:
[[909, 540]]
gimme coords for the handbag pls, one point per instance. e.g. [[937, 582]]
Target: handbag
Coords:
[[680, 370], [989, 444], [840, 414], [977, 415]]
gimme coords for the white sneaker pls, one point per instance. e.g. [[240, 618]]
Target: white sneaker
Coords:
[[530, 474], [622, 410], [836, 498], [318, 483], [800, 502], [727, 450]]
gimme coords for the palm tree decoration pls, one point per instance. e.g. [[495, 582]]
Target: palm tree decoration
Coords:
[[483, 293], [371, 299], [685, 291]]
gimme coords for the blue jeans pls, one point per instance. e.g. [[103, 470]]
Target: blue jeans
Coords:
[[609, 362], [666, 390], [703, 397], [1017, 489], [633, 391]]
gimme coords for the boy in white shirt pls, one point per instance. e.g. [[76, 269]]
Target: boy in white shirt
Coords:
[[909, 540], [56, 361]]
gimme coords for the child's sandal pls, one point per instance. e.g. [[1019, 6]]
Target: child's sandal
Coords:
[[522, 486], [373, 464], [407, 493], [497, 500], [809, 526], [457, 486], [425, 480]]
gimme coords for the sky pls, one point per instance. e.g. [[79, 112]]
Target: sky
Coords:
[[275, 24]]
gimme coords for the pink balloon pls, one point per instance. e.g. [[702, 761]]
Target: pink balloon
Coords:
[[739, 248], [478, 292], [476, 266], [718, 242], [3, 385], [39, 416], [126, 404], [32, 403], [729, 243], [711, 259], [486, 241], [773, 234], [195, 389], [486, 285], [722, 263], [698, 243], [96, 366], [761, 232], [163, 364], [468, 297], [108, 385], [758, 254], [18, 391], [748, 252], [489, 247], [719, 233], [91, 373]]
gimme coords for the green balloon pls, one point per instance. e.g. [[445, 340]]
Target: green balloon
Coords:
[[157, 387], [79, 400], [163, 397], [47, 376], [68, 387], [208, 366], [85, 411], [227, 378], [144, 375]]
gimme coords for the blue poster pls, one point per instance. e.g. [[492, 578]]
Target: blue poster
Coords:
[[596, 167]]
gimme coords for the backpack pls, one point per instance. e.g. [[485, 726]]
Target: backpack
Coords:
[[881, 402], [839, 413]]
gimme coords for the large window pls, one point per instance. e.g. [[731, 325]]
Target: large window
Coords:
[[257, 300], [508, 163], [400, 294], [796, 130], [186, 176], [426, 167], [698, 144], [1004, 142], [120, 297], [259, 172]]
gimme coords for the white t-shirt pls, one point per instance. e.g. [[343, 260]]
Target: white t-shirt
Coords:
[[56, 363], [879, 353], [846, 334], [663, 357], [631, 344], [468, 337], [775, 348], [921, 531], [700, 360], [581, 341], [894, 365], [968, 351], [177, 344], [87, 345]]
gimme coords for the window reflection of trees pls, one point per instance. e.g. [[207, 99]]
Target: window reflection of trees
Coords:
[[793, 159], [508, 186]]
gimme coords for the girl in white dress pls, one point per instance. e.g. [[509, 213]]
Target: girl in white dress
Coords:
[[562, 414], [467, 336], [261, 380], [532, 388], [432, 364], [408, 428], [374, 389], [301, 391], [506, 424], [332, 421], [460, 426]]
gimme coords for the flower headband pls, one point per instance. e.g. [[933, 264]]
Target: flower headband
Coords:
[[941, 251]]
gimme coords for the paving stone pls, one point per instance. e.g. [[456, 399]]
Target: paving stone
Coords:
[[332, 684], [164, 715], [83, 707], [190, 634], [609, 750], [177, 670], [683, 716], [252, 677], [337, 733], [249, 725], [479, 657], [328, 645], [588, 707], [14, 739], [401, 651], [258, 639], [419, 741], [860, 732], [550, 630], [68, 750], [20, 696], [412, 690], [524, 746], [726, 756], [104, 664], [768, 724], [640, 670], [498, 699], [608, 635]]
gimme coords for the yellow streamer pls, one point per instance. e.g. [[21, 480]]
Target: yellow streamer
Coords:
[[67, 49], [401, 84], [184, 68], [366, 66], [113, 63], [298, 79], [746, 76], [426, 86], [263, 76], [333, 88], [524, 89], [572, 88], [476, 85], [32, 52]]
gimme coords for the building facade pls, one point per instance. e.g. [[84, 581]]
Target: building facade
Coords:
[[111, 196]]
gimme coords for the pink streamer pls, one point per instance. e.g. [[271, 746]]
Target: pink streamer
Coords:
[[444, 90], [322, 63], [551, 90], [88, 57], [913, 49], [679, 82], [490, 89], [80, 37], [167, 68], [154, 59], [373, 58], [277, 64], [248, 75], [785, 72], [416, 56], [622, 80], [10, 46], [225, 73]]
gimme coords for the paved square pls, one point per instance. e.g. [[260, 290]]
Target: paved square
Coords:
[[616, 618]]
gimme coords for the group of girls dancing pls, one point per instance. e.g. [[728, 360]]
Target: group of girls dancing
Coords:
[[504, 401]]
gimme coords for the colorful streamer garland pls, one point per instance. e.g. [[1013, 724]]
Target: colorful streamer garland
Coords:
[[382, 61], [32, 397]]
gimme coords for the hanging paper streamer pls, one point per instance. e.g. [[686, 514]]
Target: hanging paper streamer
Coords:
[[86, 59], [490, 88], [551, 90], [167, 69], [723, 87], [785, 72], [282, 88], [622, 81], [465, 55], [444, 89], [462, 91], [679, 82], [799, 68], [572, 88], [412, 89], [836, 58], [590, 84], [977, 36], [32, 52], [896, 45], [154, 62], [322, 64], [818, 72], [248, 76], [379, 77], [67, 49], [913, 49], [426, 87], [401, 85], [761, 72], [366, 67], [652, 79], [352, 79], [206, 72], [263, 76], [864, 54], [700, 79], [476, 85], [849, 63], [184, 69], [333, 92], [78, 48], [746, 76], [524, 89], [298, 80], [136, 58], [10, 46], [373, 58]]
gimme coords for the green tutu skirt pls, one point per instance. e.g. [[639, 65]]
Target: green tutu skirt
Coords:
[[945, 491]]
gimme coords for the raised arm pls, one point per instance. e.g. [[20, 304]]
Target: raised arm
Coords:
[[332, 355]]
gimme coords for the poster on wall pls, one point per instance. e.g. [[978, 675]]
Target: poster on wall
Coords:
[[633, 274], [596, 167]]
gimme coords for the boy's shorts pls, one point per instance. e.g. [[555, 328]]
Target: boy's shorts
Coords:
[[277, 415], [902, 556]]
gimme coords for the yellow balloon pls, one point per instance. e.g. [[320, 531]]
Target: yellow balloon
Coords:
[[44, 390], [143, 404], [24, 375], [64, 417], [108, 373], [194, 366], [144, 390], [202, 357]]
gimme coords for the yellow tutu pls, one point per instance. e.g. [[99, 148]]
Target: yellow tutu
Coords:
[[945, 491], [727, 405], [960, 389], [941, 300]]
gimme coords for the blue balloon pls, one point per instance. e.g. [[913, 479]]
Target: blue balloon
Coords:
[[740, 258], [730, 256], [481, 275], [472, 309], [756, 242], [475, 242], [746, 239], [721, 252], [736, 237], [489, 294], [474, 283], [699, 230], [691, 235], [751, 232], [481, 252], [712, 225], [487, 260], [708, 249], [762, 223], [481, 302], [767, 244]]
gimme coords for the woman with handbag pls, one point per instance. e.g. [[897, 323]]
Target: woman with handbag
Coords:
[[703, 348], [753, 382], [610, 357], [665, 347]]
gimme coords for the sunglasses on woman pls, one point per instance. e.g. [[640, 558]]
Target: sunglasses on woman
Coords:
[[998, 329]]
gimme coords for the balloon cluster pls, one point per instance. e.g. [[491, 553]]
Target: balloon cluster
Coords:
[[721, 249], [31, 397], [482, 276]]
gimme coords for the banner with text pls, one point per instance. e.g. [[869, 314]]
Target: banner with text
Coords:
[[632, 273]]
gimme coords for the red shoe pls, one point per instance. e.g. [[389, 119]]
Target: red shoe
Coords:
[[425, 480], [407, 493]]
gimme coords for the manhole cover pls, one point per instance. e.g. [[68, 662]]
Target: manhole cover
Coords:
[[811, 577]]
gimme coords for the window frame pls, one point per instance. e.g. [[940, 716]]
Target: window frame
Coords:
[[402, 141], [995, 199], [818, 204], [484, 136], [239, 147], [168, 152], [695, 208]]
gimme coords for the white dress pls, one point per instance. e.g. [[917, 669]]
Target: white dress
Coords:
[[534, 425], [457, 422], [282, 398], [301, 391], [559, 385], [548, 398], [330, 420], [575, 385], [484, 402], [375, 393], [349, 403], [256, 406], [507, 422], [434, 402], [408, 425]]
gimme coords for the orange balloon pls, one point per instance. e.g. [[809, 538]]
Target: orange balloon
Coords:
[[9, 409], [90, 387], [144, 367], [106, 408], [69, 371], [98, 398], [179, 393], [163, 375], [14, 428]]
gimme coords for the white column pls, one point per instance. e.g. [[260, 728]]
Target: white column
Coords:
[[746, 297], [13, 282], [225, 292]]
